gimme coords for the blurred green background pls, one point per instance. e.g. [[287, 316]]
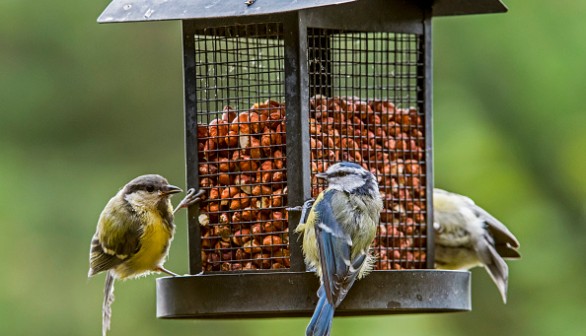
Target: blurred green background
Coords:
[[86, 107]]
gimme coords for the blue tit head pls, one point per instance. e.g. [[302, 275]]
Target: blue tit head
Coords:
[[352, 178]]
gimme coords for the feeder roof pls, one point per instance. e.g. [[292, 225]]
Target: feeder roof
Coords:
[[159, 10]]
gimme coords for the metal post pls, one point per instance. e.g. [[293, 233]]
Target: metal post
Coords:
[[297, 102], [426, 77], [191, 155]]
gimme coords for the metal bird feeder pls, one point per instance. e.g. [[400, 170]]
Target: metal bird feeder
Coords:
[[275, 92]]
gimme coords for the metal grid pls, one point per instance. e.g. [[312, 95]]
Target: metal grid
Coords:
[[367, 107], [239, 72]]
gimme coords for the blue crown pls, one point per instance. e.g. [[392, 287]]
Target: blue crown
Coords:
[[350, 165]]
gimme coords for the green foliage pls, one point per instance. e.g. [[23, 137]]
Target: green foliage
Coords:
[[85, 107]]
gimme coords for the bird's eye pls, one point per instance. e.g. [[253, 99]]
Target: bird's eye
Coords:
[[150, 188]]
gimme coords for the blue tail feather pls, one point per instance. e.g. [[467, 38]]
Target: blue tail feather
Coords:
[[321, 321]]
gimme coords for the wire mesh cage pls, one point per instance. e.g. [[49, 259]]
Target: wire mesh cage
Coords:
[[239, 73], [367, 107], [276, 93]]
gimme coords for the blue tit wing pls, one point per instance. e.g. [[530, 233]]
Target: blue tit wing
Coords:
[[501, 234], [507, 252], [504, 240], [335, 248], [117, 238], [505, 243]]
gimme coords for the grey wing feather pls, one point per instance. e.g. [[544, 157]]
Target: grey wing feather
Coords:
[[498, 230], [507, 252], [505, 242]]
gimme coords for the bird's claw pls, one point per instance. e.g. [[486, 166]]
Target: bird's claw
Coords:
[[164, 270], [191, 198], [305, 208], [307, 205]]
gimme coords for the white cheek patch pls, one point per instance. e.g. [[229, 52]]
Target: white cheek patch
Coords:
[[347, 183], [143, 199]]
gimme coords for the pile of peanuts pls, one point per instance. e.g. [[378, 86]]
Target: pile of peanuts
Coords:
[[389, 142], [242, 167]]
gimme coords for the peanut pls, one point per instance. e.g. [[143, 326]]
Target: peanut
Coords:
[[243, 168]]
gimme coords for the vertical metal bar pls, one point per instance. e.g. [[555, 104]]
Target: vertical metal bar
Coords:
[[427, 92], [191, 155], [296, 99]]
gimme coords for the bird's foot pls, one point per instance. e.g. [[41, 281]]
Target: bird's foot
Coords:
[[190, 199], [306, 209], [164, 270]]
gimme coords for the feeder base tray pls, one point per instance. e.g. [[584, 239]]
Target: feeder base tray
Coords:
[[290, 294]]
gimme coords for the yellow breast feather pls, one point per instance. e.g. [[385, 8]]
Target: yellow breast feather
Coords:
[[154, 246]]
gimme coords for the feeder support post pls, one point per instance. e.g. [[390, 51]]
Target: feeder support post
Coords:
[[297, 110], [191, 154]]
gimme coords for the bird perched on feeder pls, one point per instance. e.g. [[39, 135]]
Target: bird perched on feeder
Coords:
[[337, 235], [134, 233], [467, 236]]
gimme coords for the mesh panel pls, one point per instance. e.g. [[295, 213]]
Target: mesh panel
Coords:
[[366, 108], [241, 134]]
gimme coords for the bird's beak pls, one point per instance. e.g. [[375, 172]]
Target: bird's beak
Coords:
[[171, 189], [321, 175]]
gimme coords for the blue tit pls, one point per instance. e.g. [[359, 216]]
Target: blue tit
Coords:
[[339, 230], [467, 236], [134, 233]]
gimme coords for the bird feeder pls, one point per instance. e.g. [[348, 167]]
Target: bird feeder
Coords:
[[275, 92]]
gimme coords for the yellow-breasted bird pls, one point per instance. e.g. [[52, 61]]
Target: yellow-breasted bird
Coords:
[[337, 235], [134, 233], [467, 236]]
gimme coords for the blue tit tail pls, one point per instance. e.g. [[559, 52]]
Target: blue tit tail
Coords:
[[107, 305], [495, 265], [321, 321]]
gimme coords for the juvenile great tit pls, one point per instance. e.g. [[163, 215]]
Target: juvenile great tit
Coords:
[[134, 233], [467, 236], [337, 235]]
